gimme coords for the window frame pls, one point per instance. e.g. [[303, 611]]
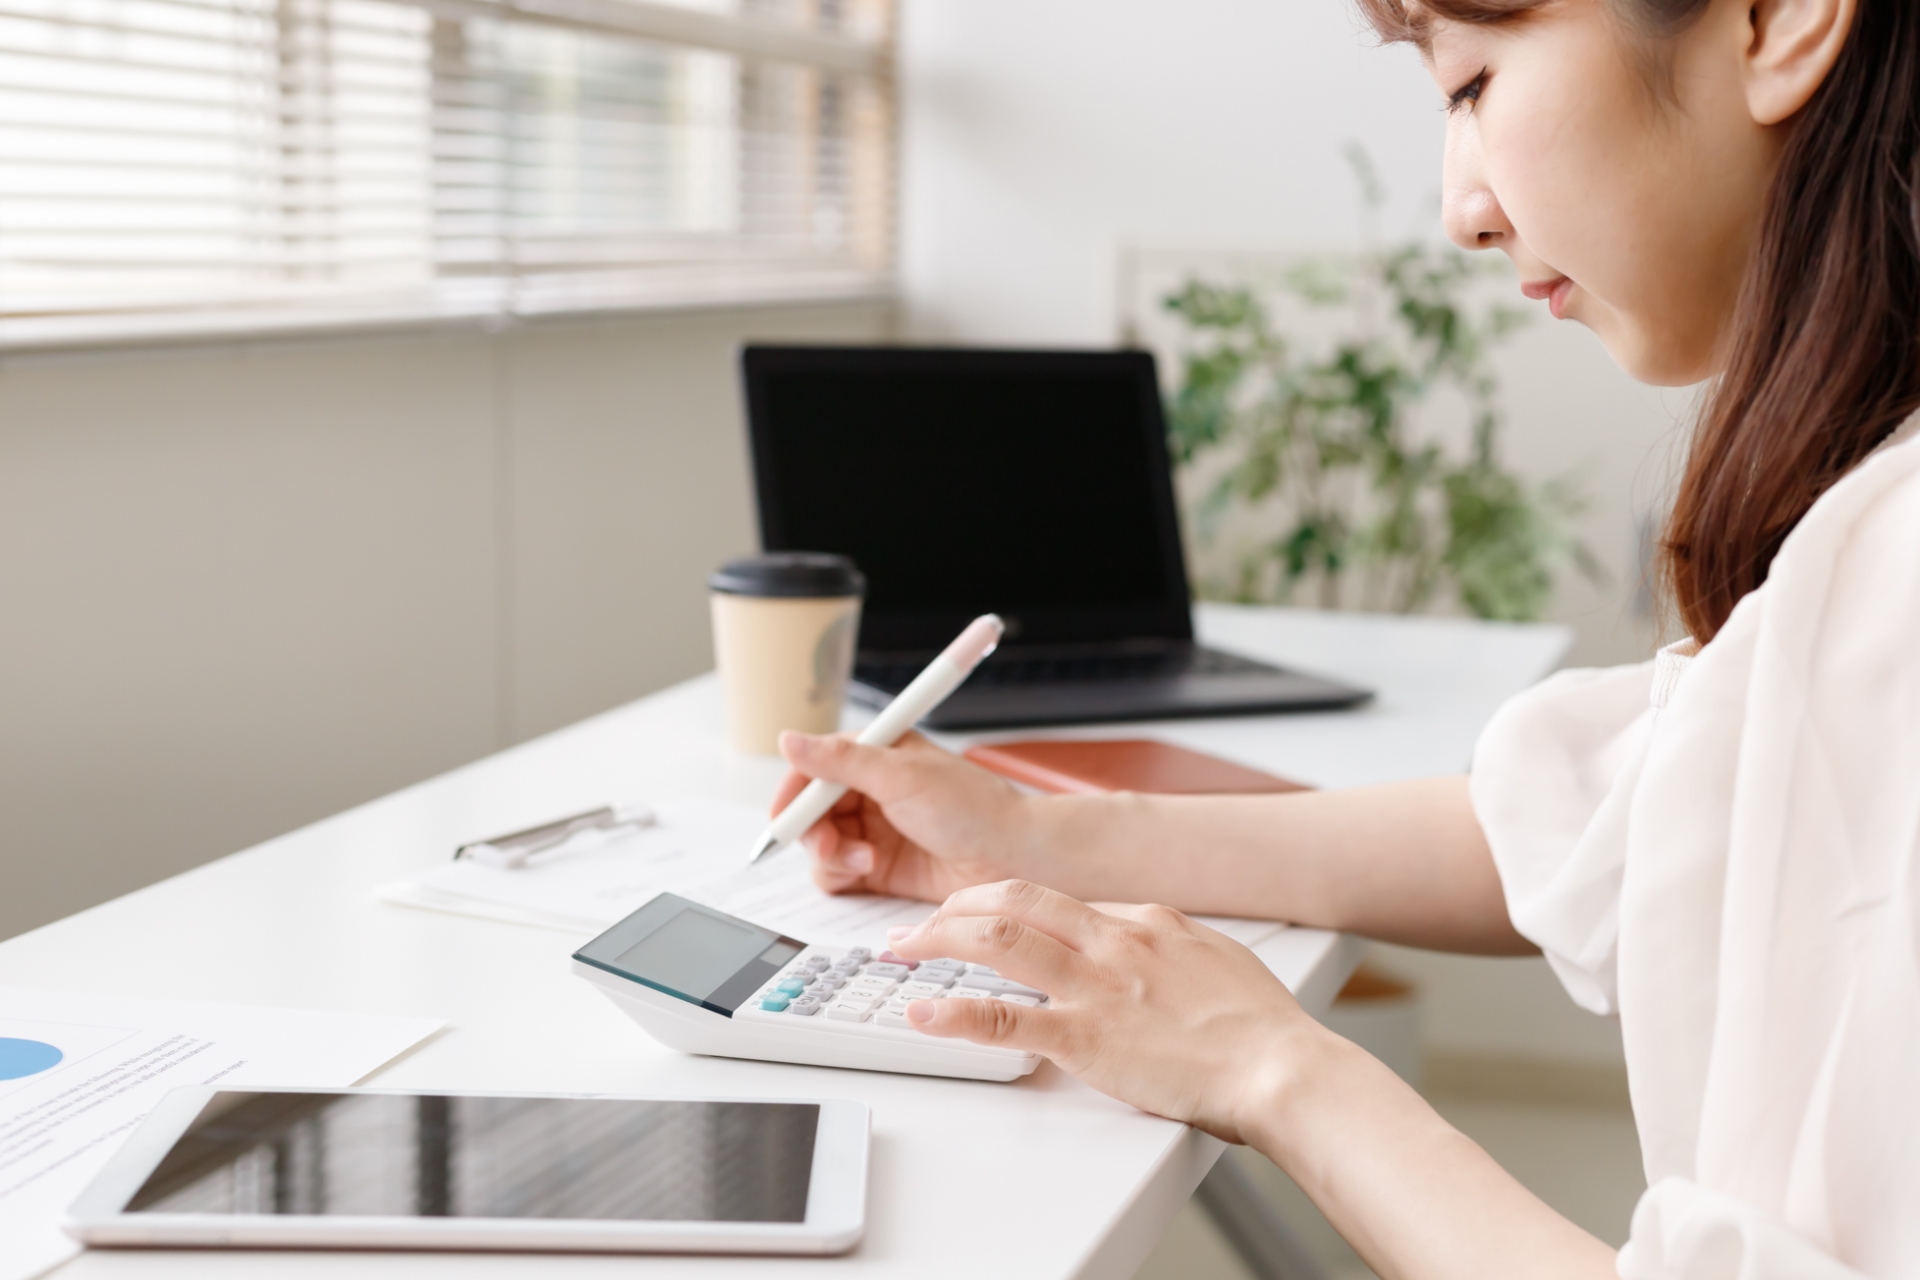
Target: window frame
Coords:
[[695, 284]]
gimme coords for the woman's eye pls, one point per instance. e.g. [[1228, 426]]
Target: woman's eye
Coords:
[[1467, 94]]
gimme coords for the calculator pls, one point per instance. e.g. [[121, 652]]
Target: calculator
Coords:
[[702, 981]]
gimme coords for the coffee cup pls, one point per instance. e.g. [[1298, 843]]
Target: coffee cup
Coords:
[[784, 627]]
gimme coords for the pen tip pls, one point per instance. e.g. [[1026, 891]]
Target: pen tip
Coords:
[[768, 843]]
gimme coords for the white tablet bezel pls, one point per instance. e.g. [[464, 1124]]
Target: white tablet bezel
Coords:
[[836, 1199]]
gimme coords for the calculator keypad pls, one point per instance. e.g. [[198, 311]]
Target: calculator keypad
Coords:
[[857, 991]]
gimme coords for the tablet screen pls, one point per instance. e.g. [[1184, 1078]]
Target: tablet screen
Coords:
[[387, 1155]]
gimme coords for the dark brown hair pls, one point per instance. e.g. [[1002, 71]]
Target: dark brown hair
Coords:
[[1823, 360]]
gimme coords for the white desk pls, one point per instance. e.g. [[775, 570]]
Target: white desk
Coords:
[[1056, 1179]]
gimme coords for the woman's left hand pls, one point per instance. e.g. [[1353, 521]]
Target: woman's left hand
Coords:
[[1144, 1004]]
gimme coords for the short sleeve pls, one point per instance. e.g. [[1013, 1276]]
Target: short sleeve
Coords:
[[1682, 1229], [1553, 775]]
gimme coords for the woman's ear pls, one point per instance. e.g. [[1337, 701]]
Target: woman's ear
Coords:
[[1792, 46]]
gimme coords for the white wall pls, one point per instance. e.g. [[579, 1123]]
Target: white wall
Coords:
[[245, 585], [1040, 140]]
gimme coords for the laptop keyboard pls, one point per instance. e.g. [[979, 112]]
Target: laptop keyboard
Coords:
[[1016, 669]]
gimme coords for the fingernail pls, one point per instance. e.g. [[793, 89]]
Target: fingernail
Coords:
[[920, 1011], [901, 932], [860, 859]]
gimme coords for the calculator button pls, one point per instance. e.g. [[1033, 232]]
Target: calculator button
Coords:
[[968, 993], [888, 1018], [790, 987], [922, 990], [887, 957], [981, 968], [944, 962], [940, 978], [892, 972], [872, 982], [841, 1011], [831, 981], [861, 999], [815, 963], [997, 985], [859, 954], [806, 1006], [776, 1003], [822, 991], [1012, 997]]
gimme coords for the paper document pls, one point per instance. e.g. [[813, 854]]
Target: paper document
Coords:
[[694, 850], [78, 1072], [698, 852]]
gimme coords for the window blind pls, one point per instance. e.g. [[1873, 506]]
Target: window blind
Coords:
[[185, 165]]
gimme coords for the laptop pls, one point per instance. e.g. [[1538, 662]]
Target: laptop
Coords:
[[1031, 484]]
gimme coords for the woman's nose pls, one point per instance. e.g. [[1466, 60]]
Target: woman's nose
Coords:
[[1469, 209]]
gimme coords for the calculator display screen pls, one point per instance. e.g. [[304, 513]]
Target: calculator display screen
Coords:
[[453, 1156], [692, 952]]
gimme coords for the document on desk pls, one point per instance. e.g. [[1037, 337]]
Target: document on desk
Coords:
[[78, 1072], [694, 851]]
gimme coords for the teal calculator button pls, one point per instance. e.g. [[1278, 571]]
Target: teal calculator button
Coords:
[[776, 1003], [792, 986]]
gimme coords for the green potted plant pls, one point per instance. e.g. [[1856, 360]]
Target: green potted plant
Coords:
[[1320, 458]]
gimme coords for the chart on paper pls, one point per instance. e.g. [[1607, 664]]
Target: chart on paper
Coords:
[[30, 1051], [22, 1058]]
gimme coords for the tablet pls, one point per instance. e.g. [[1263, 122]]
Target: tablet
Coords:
[[370, 1168]]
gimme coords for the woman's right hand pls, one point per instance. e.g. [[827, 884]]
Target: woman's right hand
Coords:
[[916, 822]]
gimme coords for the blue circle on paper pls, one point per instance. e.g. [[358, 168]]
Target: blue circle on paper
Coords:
[[19, 1058]]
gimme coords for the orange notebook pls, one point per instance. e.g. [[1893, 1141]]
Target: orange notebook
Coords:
[[1123, 764]]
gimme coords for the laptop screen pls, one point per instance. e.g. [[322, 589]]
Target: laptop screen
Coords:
[[1030, 484]]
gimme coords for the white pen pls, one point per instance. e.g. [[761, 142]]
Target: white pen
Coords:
[[928, 690]]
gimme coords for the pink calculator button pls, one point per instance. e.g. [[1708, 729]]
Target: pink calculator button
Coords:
[[887, 957]]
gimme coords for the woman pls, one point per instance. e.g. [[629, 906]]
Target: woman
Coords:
[[1719, 846]]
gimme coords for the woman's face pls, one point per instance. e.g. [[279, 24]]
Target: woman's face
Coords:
[[1629, 193]]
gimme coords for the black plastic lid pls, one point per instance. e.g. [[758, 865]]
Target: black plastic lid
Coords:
[[789, 574]]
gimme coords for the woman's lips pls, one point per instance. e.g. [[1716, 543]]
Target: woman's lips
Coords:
[[1555, 292]]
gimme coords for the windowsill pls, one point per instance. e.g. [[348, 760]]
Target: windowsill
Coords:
[[89, 334]]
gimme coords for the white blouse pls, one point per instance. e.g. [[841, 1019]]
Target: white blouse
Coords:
[[1724, 851]]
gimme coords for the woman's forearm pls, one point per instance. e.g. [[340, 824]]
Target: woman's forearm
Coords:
[[1406, 862], [1416, 1198]]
